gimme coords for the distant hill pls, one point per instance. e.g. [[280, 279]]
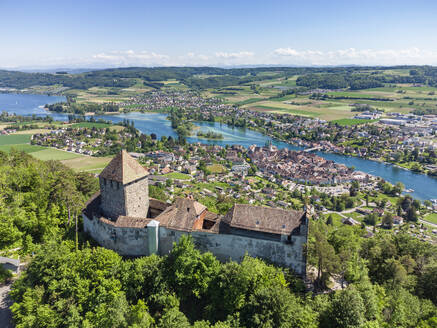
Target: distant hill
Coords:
[[213, 77]]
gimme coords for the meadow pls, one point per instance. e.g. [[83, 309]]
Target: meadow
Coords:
[[78, 162]]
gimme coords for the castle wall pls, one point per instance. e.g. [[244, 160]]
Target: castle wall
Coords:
[[136, 196], [131, 199], [112, 198], [134, 242], [234, 247], [125, 241]]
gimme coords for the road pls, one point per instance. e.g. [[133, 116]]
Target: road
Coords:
[[428, 223], [342, 214], [5, 302]]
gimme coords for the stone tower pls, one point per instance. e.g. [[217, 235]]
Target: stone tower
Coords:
[[124, 188]]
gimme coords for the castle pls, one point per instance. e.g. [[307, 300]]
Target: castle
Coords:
[[123, 218]]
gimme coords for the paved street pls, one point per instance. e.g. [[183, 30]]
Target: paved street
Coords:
[[5, 313]]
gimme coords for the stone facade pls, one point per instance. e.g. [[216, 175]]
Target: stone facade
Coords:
[[134, 242], [136, 195], [131, 199], [112, 193]]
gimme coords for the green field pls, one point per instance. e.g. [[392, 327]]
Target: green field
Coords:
[[21, 147], [354, 95], [90, 125], [87, 163], [178, 176], [216, 168], [15, 139], [285, 110], [352, 121], [20, 142], [431, 218], [248, 101], [54, 154]]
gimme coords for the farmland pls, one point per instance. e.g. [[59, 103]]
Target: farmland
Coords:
[[393, 89], [78, 162]]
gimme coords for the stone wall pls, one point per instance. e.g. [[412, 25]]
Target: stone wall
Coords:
[[136, 195], [112, 198], [131, 199], [125, 241], [134, 242], [233, 247]]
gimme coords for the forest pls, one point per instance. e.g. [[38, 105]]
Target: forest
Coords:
[[354, 77]]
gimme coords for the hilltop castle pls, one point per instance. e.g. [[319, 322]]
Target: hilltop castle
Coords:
[[123, 218]]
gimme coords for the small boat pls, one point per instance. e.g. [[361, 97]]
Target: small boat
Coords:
[[409, 190]]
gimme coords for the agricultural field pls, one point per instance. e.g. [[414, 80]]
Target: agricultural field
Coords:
[[21, 142], [402, 98], [87, 163], [47, 154], [431, 218], [90, 125], [14, 139], [352, 121], [178, 176]]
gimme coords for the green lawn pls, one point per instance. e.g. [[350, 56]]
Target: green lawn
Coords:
[[87, 163], [216, 168], [286, 110], [15, 139], [54, 154], [335, 217], [90, 125], [21, 147], [431, 218], [352, 121], [353, 95], [178, 176], [249, 101]]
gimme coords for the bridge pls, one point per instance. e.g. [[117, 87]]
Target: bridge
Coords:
[[313, 149]]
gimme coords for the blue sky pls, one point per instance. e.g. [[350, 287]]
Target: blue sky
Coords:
[[99, 33]]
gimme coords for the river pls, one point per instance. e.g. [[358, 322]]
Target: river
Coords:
[[425, 187]]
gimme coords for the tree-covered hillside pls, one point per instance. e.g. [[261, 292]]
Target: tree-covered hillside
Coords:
[[39, 201], [213, 77], [391, 284]]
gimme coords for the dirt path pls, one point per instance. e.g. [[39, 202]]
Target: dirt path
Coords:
[[5, 302]]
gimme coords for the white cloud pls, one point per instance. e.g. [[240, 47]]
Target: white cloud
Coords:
[[131, 58], [286, 56], [234, 55], [355, 56]]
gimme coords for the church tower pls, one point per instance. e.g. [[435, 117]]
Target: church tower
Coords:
[[124, 188]]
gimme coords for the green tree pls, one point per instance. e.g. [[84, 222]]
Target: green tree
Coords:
[[348, 309]]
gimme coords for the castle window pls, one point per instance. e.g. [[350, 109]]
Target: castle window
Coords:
[[104, 181], [111, 183], [118, 185]]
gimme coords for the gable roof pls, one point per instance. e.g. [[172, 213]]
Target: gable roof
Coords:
[[123, 168], [181, 215], [263, 219]]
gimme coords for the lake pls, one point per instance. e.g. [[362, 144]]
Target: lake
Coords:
[[425, 187]]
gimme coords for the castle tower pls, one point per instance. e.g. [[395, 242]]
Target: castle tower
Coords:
[[124, 188]]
